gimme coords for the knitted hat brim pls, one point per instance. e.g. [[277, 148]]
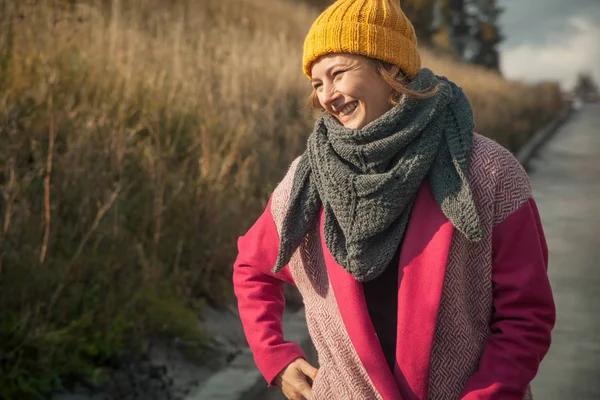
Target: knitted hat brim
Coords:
[[363, 39]]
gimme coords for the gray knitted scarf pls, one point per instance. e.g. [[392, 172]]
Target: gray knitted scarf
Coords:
[[367, 179]]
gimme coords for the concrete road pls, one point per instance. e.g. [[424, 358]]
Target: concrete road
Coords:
[[565, 176]]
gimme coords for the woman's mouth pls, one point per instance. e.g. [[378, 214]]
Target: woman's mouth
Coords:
[[346, 113], [349, 109]]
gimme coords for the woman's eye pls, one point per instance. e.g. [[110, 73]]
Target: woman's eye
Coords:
[[316, 86], [337, 73]]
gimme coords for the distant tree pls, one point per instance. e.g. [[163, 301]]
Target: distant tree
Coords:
[[472, 30], [422, 15], [453, 32], [488, 34], [586, 88]]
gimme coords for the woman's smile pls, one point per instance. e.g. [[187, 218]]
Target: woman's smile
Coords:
[[346, 112], [349, 88]]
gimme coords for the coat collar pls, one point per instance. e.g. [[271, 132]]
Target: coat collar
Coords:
[[422, 266]]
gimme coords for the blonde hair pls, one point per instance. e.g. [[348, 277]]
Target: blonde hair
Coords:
[[398, 82]]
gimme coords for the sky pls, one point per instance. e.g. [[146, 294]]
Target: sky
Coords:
[[550, 40]]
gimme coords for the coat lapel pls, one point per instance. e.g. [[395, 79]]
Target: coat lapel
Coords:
[[421, 276], [422, 268], [351, 302]]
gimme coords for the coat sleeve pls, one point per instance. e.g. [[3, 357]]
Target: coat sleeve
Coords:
[[523, 309], [260, 297]]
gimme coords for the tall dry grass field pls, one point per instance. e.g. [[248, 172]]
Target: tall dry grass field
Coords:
[[138, 139]]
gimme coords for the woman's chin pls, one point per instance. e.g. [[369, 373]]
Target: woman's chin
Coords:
[[353, 123]]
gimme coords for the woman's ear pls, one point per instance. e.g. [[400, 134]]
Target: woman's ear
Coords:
[[394, 69]]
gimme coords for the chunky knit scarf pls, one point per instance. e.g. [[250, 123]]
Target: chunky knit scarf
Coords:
[[367, 179]]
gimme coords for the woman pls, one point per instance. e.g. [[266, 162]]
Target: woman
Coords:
[[415, 243]]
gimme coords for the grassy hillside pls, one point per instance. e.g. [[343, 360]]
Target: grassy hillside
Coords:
[[139, 139]]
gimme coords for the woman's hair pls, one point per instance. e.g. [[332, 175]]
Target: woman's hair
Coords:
[[397, 82]]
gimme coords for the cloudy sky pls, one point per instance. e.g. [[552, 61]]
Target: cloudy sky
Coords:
[[550, 39]]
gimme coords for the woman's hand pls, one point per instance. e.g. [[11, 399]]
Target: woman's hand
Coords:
[[296, 379]]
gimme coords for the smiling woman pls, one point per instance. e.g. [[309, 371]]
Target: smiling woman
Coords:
[[344, 84], [415, 243], [350, 89]]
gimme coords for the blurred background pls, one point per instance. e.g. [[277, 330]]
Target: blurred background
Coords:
[[550, 39], [140, 138]]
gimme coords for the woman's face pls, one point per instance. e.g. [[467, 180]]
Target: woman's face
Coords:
[[350, 88]]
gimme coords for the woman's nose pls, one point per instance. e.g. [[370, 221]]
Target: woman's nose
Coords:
[[330, 95]]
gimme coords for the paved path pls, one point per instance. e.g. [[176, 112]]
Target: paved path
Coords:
[[565, 175], [566, 180]]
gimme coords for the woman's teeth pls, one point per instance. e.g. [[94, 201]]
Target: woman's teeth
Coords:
[[348, 109]]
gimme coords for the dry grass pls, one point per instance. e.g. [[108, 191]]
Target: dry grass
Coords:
[[140, 138]]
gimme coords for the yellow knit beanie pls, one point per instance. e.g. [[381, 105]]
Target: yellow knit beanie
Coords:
[[372, 28]]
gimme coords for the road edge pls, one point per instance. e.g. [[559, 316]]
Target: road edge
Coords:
[[241, 379], [530, 148]]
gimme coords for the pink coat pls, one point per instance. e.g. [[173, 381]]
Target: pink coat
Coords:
[[474, 319]]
